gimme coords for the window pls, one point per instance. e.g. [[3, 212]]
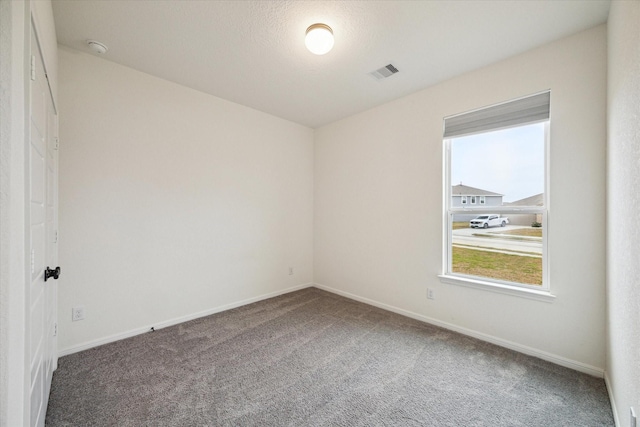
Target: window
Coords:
[[463, 200], [502, 151]]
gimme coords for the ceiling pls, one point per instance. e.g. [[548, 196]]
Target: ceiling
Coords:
[[253, 52]]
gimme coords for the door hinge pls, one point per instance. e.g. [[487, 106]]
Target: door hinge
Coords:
[[55, 329], [55, 237], [56, 143], [33, 67]]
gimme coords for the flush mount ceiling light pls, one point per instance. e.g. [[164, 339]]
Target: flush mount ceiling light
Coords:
[[319, 39], [97, 47]]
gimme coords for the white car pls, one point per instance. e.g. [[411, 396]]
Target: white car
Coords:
[[486, 221]]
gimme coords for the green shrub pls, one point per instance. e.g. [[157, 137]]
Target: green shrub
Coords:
[[536, 224]]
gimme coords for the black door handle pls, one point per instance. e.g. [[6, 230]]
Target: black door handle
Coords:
[[55, 273]]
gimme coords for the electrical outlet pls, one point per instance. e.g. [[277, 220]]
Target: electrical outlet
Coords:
[[632, 417], [431, 294], [77, 313], [290, 271]]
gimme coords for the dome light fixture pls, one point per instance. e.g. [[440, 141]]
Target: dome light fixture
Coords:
[[319, 39], [97, 47]]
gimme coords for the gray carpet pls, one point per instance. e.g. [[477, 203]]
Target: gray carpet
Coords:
[[311, 358]]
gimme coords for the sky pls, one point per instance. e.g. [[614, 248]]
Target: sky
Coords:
[[508, 161]]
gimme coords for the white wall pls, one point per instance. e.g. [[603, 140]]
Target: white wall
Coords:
[[623, 202], [378, 197], [173, 203]]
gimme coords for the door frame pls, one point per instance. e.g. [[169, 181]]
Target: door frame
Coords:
[[15, 18]]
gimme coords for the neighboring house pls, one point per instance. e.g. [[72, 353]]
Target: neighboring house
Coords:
[[465, 196], [537, 200]]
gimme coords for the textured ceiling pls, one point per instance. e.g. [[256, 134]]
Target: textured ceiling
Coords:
[[253, 53]]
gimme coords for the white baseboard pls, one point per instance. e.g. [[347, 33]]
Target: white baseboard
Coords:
[[144, 329], [611, 399], [558, 360]]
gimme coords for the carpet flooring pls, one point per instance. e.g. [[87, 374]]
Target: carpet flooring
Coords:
[[312, 358]]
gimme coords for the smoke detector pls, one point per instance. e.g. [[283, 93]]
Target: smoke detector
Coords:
[[97, 47]]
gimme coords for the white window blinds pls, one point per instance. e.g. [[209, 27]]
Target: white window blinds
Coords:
[[521, 111]]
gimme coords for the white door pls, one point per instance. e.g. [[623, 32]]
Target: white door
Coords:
[[41, 325]]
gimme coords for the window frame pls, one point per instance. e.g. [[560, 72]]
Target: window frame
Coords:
[[537, 292]]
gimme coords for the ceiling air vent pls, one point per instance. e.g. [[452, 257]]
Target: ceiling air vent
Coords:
[[384, 72]]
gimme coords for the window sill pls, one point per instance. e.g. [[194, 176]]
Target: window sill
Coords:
[[534, 294]]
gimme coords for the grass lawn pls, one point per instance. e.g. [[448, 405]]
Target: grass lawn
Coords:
[[513, 268]]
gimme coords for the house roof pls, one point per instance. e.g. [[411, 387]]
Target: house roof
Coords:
[[465, 190], [537, 200]]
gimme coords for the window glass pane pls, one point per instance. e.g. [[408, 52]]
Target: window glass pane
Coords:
[[505, 166], [492, 246]]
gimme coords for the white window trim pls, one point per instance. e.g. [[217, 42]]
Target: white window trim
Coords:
[[473, 200], [463, 200], [541, 293], [483, 200], [535, 294]]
